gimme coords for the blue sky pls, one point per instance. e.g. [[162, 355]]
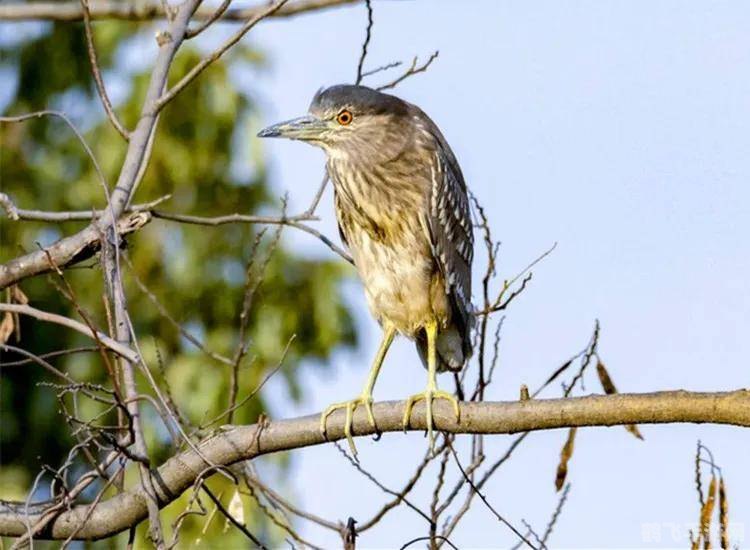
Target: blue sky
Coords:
[[619, 130]]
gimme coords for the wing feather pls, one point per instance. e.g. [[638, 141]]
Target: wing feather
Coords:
[[451, 236]]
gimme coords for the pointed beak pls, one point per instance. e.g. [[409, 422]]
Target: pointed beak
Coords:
[[305, 127]]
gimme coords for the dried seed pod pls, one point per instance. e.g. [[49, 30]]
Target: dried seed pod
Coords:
[[565, 454], [633, 429], [723, 515], [17, 295], [605, 379], [695, 542], [706, 512], [6, 327], [609, 388]]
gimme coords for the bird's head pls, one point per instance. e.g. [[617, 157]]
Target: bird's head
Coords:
[[345, 117]]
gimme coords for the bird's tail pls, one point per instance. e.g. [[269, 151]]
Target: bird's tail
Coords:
[[450, 350]]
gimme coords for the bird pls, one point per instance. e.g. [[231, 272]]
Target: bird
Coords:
[[403, 212]]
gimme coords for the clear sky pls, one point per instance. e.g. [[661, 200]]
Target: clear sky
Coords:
[[620, 130]]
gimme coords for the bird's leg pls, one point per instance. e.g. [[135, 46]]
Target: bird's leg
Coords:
[[365, 397], [432, 391]]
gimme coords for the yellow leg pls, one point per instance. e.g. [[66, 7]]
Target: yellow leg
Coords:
[[432, 391], [365, 397]]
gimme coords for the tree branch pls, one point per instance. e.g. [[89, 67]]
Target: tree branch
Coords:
[[232, 444], [96, 73], [67, 251], [137, 11], [111, 344]]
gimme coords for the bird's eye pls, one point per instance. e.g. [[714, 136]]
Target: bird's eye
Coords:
[[344, 117]]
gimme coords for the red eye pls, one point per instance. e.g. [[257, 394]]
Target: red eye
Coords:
[[344, 117]]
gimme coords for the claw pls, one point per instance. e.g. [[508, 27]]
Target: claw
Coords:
[[350, 407], [428, 395], [365, 397]]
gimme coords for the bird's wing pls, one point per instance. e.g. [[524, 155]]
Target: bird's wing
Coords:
[[451, 235]]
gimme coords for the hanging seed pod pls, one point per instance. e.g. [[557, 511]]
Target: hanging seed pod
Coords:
[[723, 515], [565, 454], [706, 512], [609, 388]]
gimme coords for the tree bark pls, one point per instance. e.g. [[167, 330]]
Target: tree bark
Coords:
[[140, 11], [236, 443]]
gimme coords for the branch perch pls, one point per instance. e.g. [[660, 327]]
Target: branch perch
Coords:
[[143, 11], [232, 444], [67, 251]]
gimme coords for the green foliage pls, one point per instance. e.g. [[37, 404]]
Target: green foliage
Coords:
[[198, 273]]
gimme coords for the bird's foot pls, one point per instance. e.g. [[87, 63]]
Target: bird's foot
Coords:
[[428, 395], [350, 407]]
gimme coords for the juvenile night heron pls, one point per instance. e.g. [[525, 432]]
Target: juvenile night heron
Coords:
[[403, 211]]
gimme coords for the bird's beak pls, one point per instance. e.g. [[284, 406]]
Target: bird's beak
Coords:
[[304, 128]]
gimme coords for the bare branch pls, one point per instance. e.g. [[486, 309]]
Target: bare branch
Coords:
[[474, 488], [136, 11], [67, 251], [172, 321], [273, 496], [78, 134], [401, 496], [386, 67], [192, 33], [69, 215], [234, 444], [117, 347], [440, 538], [368, 36], [216, 54], [96, 73], [411, 71], [231, 518], [240, 218], [10, 209], [310, 212]]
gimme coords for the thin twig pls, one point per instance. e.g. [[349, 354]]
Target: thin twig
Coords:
[[192, 33], [310, 212], [51, 354], [172, 321], [117, 347], [255, 390], [368, 36], [386, 67], [170, 94], [146, 11], [239, 218], [420, 539], [100, 88], [382, 487], [405, 490], [70, 215], [64, 117], [281, 501], [474, 488], [411, 71], [244, 530]]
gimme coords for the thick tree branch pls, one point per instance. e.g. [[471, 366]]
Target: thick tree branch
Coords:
[[232, 444], [143, 11], [67, 251]]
